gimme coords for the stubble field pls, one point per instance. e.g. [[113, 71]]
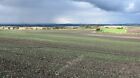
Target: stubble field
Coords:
[[67, 54]]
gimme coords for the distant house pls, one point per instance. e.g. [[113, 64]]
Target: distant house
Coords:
[[6, 28], [21, 28]]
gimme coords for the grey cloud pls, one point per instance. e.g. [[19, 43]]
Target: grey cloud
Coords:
[[38, 11], [74, 11]]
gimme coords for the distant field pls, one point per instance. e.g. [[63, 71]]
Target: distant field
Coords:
[[67, 54]]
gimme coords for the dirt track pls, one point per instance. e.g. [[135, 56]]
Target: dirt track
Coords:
[[114, 36]]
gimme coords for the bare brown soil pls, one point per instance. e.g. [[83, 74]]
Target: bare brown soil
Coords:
[[133, 30]]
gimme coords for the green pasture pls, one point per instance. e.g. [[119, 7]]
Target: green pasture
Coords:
[[114, 30]]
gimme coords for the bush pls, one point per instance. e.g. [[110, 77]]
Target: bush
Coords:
[[119, 27], [98, 29]]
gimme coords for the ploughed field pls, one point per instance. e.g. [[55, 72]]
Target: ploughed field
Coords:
[[67, 54]]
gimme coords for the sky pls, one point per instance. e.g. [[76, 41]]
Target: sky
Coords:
[[70, 11]]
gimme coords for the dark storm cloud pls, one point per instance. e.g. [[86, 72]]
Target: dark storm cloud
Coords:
[[109, 5], [116, 5]]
